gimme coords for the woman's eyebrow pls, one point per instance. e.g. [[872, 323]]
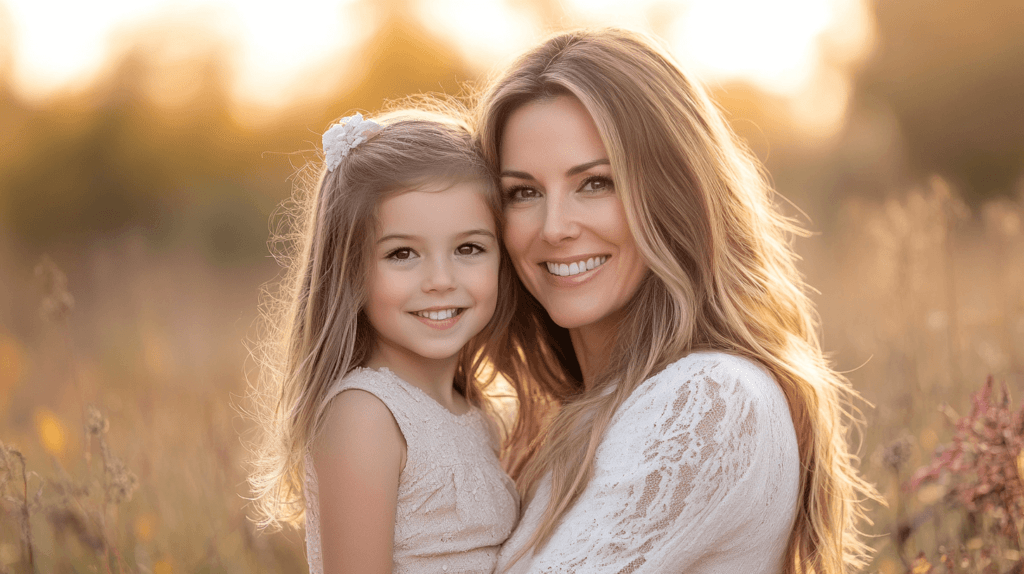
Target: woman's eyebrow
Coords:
[[515, 174], [576, 170], [585, 166]]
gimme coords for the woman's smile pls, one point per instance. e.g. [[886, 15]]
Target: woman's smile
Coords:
[[576, 267]]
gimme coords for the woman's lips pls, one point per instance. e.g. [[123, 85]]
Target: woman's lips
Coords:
[[572, 279], [575, 268]]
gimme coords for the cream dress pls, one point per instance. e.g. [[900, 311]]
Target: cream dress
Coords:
[[698, 473], [455, 503]]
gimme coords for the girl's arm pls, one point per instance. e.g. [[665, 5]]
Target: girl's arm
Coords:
[[358, 459]]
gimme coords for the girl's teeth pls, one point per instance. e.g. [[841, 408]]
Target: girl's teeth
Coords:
[[438, 315], [563, 270]]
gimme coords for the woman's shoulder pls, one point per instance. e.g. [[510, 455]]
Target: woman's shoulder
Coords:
[[719, 371], [710, 383]]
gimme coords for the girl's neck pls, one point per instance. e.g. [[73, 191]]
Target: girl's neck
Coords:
[[435, 377]]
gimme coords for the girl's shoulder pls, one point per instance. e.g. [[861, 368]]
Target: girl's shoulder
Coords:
[[373, 402], [380, 383]]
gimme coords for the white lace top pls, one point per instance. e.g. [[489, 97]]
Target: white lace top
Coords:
[[698, 472], [455, 503]]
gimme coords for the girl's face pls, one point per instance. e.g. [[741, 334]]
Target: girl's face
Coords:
[[565, 226], [434, 279]]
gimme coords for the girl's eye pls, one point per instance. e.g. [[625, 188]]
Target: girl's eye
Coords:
[[401, 254], [521, 193], [469, 249], [598, 183]]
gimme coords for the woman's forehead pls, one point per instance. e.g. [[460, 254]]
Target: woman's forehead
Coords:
[[550, 132]]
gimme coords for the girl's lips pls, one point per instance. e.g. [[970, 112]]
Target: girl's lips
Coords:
[[440, 324]]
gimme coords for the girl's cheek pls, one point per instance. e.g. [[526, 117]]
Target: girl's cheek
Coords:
[[488, 282]]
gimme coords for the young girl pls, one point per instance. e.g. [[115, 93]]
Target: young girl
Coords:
[[374, 430]]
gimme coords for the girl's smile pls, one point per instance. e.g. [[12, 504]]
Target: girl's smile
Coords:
[[440, 319]]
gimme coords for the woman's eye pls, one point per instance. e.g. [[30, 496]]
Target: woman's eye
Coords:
[[401, 254], [469, 249], [598, 183], [521, 193]]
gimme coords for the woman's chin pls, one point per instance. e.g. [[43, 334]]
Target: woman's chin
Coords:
[[574, 318]]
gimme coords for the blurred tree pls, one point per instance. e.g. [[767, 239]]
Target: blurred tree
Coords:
[[952, 72], [9, 110], [155, 142], [401, 58]]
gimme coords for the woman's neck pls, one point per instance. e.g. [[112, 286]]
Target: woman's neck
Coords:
[[593, 344], [432, 376]]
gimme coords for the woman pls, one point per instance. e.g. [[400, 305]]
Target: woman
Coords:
[[695, 425]]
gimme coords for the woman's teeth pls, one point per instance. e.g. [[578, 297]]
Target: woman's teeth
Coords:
[[438, 315], [563, 270]]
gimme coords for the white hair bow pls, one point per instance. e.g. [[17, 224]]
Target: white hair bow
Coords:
[[340, 138]]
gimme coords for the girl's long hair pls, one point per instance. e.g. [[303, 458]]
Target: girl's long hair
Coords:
[[314, 331], [722, 277]]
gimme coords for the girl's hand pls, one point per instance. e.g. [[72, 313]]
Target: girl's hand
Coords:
[[358, 459]]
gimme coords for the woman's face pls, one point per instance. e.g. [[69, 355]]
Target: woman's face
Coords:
[[565, 226]]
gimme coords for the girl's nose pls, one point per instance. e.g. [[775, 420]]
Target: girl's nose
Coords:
[[439, 277]]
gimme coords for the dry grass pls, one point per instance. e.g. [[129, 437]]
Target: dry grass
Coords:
[[921, 299]]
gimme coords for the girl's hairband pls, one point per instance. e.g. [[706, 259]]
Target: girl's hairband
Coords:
[[340, 138]]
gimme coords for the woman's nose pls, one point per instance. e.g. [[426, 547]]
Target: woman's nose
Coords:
[[439, 276], [560, 221]]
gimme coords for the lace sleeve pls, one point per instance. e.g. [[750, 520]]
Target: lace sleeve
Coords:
[[699, 464]]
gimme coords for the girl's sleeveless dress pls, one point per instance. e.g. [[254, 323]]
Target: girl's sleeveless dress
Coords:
[[455, 504]]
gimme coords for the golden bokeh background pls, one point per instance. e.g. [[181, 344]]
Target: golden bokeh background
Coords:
[[142, 157]]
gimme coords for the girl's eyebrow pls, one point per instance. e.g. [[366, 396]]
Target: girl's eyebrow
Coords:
[[484, 232], [396, 236], [464, 234], [575, 170]]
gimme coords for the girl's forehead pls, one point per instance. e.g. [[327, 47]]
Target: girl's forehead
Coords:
[[436, 209]]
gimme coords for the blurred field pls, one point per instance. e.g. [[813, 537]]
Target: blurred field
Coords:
[[156, 212]]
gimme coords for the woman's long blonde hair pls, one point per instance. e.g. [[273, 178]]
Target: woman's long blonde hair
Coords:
[[723, 277], [314, 331]]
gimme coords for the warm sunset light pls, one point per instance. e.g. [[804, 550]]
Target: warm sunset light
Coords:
[[832, 192], [776, 46], [272, 43]]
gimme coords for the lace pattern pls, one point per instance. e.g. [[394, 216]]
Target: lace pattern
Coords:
[[455, 503], [698, 472]]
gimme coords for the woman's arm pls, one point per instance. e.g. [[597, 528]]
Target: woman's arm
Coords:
[[700, 471], [358, 459]]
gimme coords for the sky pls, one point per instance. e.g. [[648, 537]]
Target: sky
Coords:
[[800, 49]]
